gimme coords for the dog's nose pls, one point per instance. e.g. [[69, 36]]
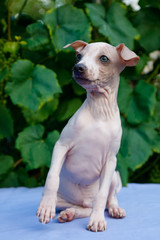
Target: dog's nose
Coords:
[[79, 67]]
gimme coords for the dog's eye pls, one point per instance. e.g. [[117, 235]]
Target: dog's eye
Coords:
[[79, 56], [104, 58]]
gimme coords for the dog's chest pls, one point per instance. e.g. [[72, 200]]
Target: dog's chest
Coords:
[[87, 157]]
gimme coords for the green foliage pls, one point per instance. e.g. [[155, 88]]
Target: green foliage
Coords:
[[35, 150], [31, 86], [38, 36], [113, 24], [138, 144], [155, 174], [147, 22], [137, 103], [40, 115], [38, 95], [68, 108], [6, 122], [6, 163], [64, 25]]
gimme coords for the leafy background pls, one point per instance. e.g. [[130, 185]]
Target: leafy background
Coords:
[[38, 94]]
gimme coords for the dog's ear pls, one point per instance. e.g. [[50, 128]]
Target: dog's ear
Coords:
[[126, 55], [77, 45]]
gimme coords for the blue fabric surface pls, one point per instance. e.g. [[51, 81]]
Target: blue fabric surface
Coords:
[[142, 204]]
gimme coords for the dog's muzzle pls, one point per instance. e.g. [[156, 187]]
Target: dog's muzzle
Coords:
[[79, 74], [79, 68]]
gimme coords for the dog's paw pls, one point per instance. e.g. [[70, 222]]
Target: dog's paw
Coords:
[[66, 215], [46, 210], [97, 222], [116, 212]]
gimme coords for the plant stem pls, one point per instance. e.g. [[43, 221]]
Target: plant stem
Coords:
[[18, 162], [22, 7]]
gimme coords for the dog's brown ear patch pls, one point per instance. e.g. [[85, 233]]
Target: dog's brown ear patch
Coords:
[[126, 55], [77, 45]]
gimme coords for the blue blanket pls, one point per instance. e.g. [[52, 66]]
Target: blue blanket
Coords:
[[18, 219]]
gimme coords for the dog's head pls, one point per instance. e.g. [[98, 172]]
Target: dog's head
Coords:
[[99, 64]]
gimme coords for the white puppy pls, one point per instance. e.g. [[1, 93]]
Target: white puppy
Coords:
[[82, 180]]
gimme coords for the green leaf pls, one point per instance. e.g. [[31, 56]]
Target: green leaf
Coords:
[[143, 103], [114, 24], [123, 153], [3, 73], [157, 113], [43, 113], [6, 122], [149, 132], [39, 36], [147, 22], [137, 104], [121, 28], [64, 77], [31, 86], [68, 108], [97, 14], [139, 148], [78, 90], [6, 163], [52, 139], [35, 150], [11, 47], [122, 167], [11, 180], [25, 178], [124, 94], [22, 70], [137, 144], [31, 182], [67, 24]]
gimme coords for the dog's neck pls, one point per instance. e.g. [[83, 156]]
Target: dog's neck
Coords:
[[103, 103]]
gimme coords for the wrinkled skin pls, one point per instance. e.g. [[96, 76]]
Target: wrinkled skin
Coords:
[[82, 180]]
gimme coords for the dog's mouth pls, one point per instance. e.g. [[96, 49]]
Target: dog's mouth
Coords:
[[89, 85], [82, 80]]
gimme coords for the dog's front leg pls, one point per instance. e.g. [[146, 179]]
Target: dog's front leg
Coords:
[[97, 220], [46, 210]]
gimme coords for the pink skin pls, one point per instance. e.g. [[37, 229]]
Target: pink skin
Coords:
[[82, 180]]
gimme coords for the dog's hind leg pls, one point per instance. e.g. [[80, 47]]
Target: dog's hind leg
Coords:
[[74, 212], [112, 202], [70, 211]]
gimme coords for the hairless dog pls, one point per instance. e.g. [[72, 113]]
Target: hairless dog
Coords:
[[82, 180]]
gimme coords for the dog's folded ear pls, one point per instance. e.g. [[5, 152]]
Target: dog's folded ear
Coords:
[[128, 57], [77, 45]]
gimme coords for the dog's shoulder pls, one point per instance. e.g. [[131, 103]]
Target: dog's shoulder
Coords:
[[76, 124]]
